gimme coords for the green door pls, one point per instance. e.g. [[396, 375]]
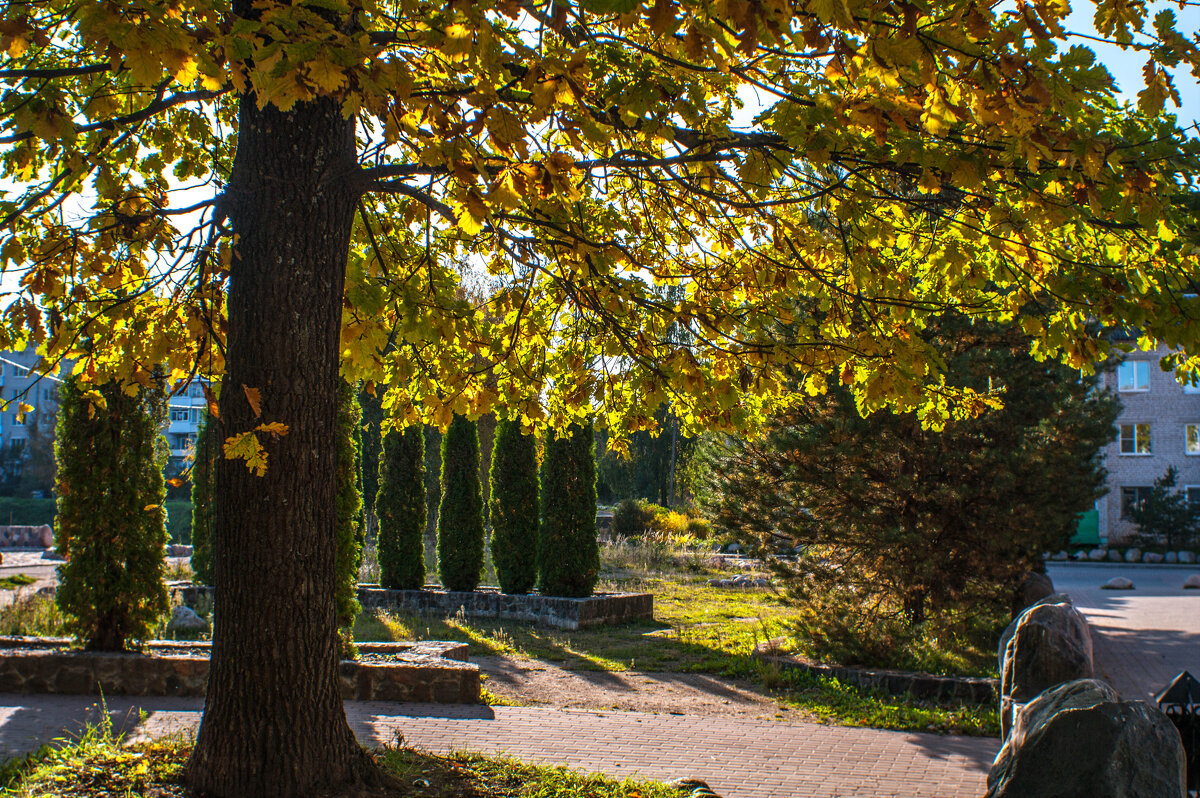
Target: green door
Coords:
[[1088, 530]]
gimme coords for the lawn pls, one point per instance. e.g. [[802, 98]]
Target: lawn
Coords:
[[97, 766]]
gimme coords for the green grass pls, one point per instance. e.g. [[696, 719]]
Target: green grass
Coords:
[[36, 616], [832, 701], [696, 628], [16, 581], [98, 766]]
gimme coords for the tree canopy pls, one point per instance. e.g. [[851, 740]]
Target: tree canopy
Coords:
[[904, 157]]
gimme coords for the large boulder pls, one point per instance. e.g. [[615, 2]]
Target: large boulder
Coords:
[[1152, 557], [1118, 583], [1192, 582], [1079, 740], [1133, 555], [1033, 588], [1187, 557], [1047, 644], [1171, 557], [1115, 556], [1096, 555], [186, 621]]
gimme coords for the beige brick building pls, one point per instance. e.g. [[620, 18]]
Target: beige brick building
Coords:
[[1159, 426]]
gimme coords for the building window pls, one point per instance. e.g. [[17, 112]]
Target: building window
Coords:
[[1135, 439], [1191, 438], [1193, 496], [1133, 497], [181, 414], [1133, 375]]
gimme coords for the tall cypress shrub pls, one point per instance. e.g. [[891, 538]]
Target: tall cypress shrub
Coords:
[[204, 469], [514, 507], [460, 517], [111, 524], [349, 517], [568, 552], [400, 508]]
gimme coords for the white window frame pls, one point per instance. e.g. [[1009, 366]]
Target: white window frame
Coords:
[[1140, 368], [1189, 438], [1137, 440]]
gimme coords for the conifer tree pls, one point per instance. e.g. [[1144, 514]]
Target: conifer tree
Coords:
[[203, 475], [514, 507], [400, 508], [111, 525], [460, 517], [568, 552], [349, 512]]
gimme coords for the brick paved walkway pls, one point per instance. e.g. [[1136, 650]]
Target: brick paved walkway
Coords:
[[1142, 637], [738, 758]]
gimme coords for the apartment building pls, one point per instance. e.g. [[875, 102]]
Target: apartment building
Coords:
[[1159, 427], [20, 384]]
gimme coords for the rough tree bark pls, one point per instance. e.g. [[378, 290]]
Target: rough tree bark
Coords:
[[274, 723]]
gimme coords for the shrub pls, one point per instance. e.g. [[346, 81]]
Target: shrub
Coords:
[[699, 528], [111, 523], [568, 552], [349, 512], [400, 507], [460, 516], [514, 508], [630, 519], [204, 473]]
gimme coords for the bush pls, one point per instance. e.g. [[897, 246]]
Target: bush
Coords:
[[111, 524], [27, 512], [631, 518], [514, 508], [699, 528], [204, 474], [568, 552], [460, 516], [400, 508], [349, 512]]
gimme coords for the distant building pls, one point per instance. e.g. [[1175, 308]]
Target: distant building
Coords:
[[1159, 427], [20, 384]]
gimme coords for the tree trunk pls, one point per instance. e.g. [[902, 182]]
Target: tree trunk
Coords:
[[274, 722]]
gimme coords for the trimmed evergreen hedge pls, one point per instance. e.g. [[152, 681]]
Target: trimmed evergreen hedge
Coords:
[[460, 517], [568, 552], [111, 522], [349, 512], [514, 508], [400, 508], [204, 475]]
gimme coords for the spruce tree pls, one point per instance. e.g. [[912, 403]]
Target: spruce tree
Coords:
[[349, 513], [460, 517], [568, 552], [400, 508], [514, 508], [111, 525], [203, 475]]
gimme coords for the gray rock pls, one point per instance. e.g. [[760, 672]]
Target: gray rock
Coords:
[[1115, 556], [1192, 582], [1152, 557], [733, 548], [1033, 588], [1080, 555], [178, 550], [1171, 557], [1133, 555], [1117, 583], [185, 619], [1187, 557], [1079, 740], [1096, 555], [1059, 556], [1049, 644], [51, 554]]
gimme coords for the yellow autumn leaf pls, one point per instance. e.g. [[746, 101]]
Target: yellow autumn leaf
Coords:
[[246, 446], [254, 397], [275, 428], [326, 75]]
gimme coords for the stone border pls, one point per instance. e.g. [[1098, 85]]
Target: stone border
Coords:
[[427, 672], [602, 609], [921, 686]]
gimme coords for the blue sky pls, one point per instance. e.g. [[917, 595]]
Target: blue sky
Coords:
[[1126, 66]]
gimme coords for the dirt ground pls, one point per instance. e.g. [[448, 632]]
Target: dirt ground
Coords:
[[536, 683]]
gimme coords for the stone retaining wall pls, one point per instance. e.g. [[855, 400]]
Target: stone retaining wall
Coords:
[[563, 613], [26, 537], [922, 686], [429, 672]]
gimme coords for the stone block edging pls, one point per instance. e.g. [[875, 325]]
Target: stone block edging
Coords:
[[430, 672], [921, 686], [600, 609]]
